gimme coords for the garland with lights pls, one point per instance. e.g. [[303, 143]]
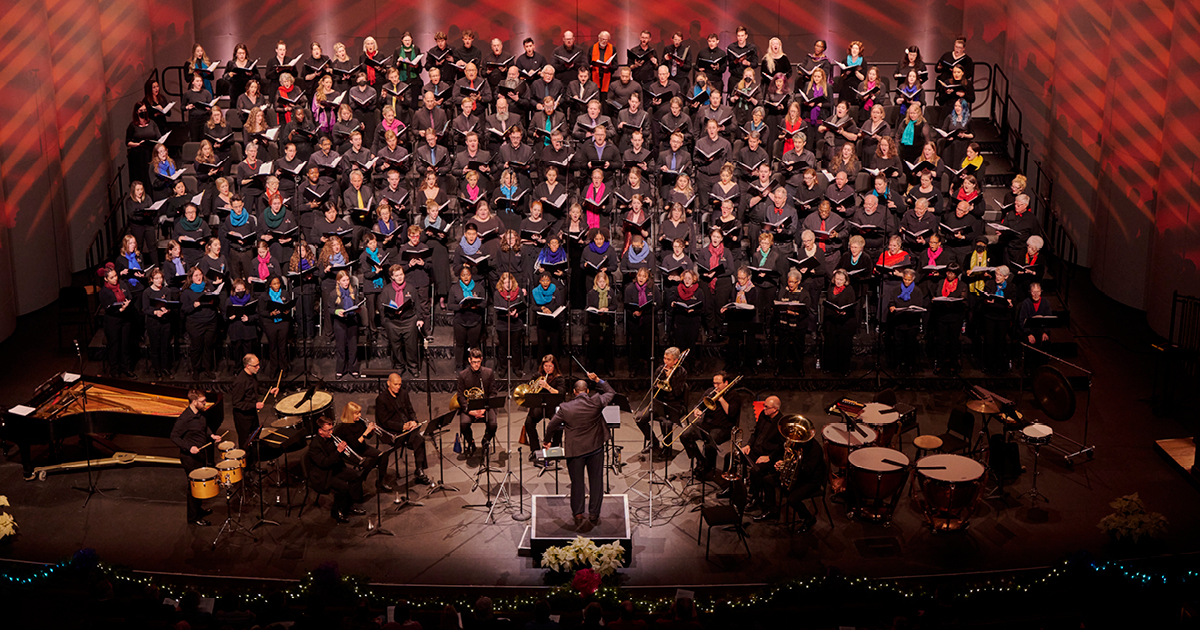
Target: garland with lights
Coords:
[[326, 580]]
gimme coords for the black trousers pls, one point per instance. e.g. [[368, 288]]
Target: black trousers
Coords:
[[764, 481], [600, 344], [414, 441], [245, 423], [800, 491], [593, 463], [159, 333], [191, 462], [366, 314], [202, 339], [700, 442], [506, 339], [549, 339], [277, 345], [839, 345], [465, 337], [241, 263], [995, 344], [404, 340], [947, 340], [685, 331], [637, 341], [532, 420], [465, 420], [908, 351], [666, 418], [118, 332], [347, 489], [345, 344]]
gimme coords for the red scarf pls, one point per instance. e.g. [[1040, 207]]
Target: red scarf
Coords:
[[888, 259], [965, 197], [686, 293], [370, 69], [838, 290], [116, 289], [1030, 260], [1036, 306], [949, 286], [714, 258], [287, 115], [510, 296], [398, 289]]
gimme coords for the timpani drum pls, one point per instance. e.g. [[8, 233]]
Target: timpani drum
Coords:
[[950, 489], [884, 419], [230, 472], [205, 483], [876, 478], [308, 410], [840, 442], [236, 455]]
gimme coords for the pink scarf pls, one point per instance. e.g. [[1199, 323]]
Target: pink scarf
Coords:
[[264, 267]]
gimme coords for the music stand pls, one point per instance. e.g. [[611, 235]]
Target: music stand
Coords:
[[436, 425], [612, 416], [378, 529], [544, 401], [256, 437]]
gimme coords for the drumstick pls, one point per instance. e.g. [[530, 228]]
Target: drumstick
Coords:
[[209, 444], [277, 382], [894, 463]]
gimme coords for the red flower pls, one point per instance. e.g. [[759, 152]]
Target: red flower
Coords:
[[586, 581]]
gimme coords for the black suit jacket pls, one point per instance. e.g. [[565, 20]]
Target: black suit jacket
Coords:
[[766, 439], [324, 463], [586, 431], [393, 412], [484, 379]]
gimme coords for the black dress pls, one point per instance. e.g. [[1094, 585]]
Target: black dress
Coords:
[[841, 320]]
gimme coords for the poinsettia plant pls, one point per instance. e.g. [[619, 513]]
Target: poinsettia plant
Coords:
[[8, 525]]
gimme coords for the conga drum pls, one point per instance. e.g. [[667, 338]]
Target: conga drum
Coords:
[[950, 489], [230, 472], [840, 441], [882, 418], [205, 483], [876, 479]]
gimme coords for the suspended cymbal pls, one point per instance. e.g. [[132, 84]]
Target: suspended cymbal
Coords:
[[1053, 393], [983, 406]]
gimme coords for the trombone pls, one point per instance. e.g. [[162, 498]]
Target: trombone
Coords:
[[708, 403], [662, 382]]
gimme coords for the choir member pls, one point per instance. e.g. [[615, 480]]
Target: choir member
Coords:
[[641, 299], [158, 304], [343, 306], [775, 61], [466, 305], [913, 133], [1020, 224], [840, 322], [373, 268], [689, 309], [191, 231], [242, 328], [140, 138], [239, 236], [510, 304], [275, 318], [403, 313], [547, 299], [767, 265], [198, 301], [602, 305], [303, 265], [120, 311], [791, 323], [947, 313], [997, 315], [163, 173], [623, 89], [196, 103]]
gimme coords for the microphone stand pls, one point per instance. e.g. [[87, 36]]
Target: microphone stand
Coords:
[[92, 481], [262, 519]]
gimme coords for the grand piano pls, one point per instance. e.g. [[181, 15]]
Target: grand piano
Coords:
[[56, 411]]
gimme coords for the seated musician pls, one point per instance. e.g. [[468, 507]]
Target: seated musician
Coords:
[[394, 412], [761, 452], [191, 434], [328, 472], [551, 381], [355, 431], [713, 428], [809, 481], [668, 404], [475, 377]]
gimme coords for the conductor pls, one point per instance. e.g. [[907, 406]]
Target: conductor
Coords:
[[583, 443]]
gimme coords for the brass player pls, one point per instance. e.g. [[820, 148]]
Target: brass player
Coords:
[[669, 404], [474, 379], [394, 412], [328, 472], [356, 432], [761, 452], [713, 428]]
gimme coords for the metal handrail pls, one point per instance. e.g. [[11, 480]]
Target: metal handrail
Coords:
[[113, 225]]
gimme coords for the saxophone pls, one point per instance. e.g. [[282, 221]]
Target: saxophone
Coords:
[[796, 430]]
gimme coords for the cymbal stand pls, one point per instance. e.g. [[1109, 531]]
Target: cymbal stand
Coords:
[[231, 524], [1083, 448]]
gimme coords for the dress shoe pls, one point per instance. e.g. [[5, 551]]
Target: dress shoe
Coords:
[[205, 512], [805, 525], [385, 487], [767, 516], [724, 494], [578, 520], [357, 511], [337, 516], [594, 520], [201, 523], [422, 479], [533, 456], [469, 449]]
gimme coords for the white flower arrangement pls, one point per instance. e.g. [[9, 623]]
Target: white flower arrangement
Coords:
[[8, 525], [583, 553]]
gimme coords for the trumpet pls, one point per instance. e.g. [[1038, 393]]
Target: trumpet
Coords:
[[354, 457], [475, 393], [709, 403]]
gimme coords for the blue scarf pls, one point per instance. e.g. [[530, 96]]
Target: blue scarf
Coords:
[[636, 258], [338, 259], [179, 271], [1000, 288], [386, 227], [541, 296], [374, 254], [468, 289], [508, 191], [132, 259], [907, 291], [548, 257], [235, 221], [239, 301], [909, 131], [197, 288], [852, 63], [468, 248], [305, 264], [344, 298], [277, 297], [598, 250]]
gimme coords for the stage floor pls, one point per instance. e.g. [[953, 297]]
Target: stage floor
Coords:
[[139, 520]]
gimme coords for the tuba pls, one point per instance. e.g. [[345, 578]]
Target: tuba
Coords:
[[796, 430], [475, 393]]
